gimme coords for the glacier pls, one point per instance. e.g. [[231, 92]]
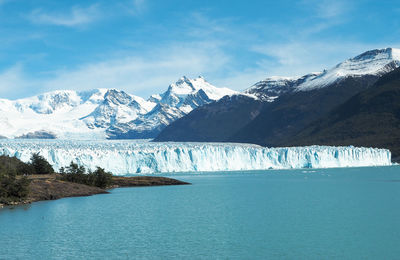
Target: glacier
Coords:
[[143, 157]]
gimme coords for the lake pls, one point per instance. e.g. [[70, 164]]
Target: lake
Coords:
[[351, 213]]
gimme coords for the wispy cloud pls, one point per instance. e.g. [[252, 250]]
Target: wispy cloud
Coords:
[[151, 72], [301, 57], [323, 15], [330, 9], [139, 5], [327, 9], [143, 75], [13, 82], [294, 59], [224, 50], [77, 16], [137, 74], [134, 7], [199, 25]]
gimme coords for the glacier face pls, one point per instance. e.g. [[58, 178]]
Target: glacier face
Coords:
[[140, 157]]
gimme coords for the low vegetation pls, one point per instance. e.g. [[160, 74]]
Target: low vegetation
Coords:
[[15, 180], [12, 189], [40, 165], [35, 181], [74, 173]]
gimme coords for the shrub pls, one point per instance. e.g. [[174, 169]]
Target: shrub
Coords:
[[12, 188], [25, 169], [74, 173], [101, 178], [41, 165], [13, 164]]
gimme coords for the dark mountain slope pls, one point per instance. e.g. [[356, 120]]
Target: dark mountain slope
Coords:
[[288, 105], [291, 112], [213, 122], [246, 120], [370, 118]]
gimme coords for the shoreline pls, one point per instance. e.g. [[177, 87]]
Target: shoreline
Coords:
[[50, 187]]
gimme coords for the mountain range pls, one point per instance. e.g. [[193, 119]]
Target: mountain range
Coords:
[[103, 113], [284, 107], [337, 106]]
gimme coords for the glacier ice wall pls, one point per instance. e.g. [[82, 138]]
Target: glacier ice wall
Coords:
[[133, 157]]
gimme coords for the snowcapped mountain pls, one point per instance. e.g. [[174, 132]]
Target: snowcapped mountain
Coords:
[[374, 62], [179, 99], [271, 88], [117, 106], [284, 106], [277, 105], [102, 113]]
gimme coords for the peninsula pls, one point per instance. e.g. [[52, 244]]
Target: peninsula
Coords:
[[24, 183]]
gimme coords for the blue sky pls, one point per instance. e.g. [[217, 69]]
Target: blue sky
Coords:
[[141, 46]]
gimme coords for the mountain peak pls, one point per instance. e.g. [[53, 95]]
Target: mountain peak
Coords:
[[185, 86], [183, 78], [190, 81], [270, 88], [387, 53], [373, 62]]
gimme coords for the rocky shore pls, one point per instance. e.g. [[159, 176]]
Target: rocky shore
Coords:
[[50, 187]]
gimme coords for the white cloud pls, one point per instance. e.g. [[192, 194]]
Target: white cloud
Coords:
[[208, 49], [134, 7], [139, 4], [140, 75], [13, 82], [77, 16], [330, 9], [327, 9], [152, 72], [299, 58], [143, 75], [293, 59]]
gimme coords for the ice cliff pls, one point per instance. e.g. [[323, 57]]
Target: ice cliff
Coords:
[[133, 157]]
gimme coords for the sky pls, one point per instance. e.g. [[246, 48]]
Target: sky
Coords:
[[142, 46]]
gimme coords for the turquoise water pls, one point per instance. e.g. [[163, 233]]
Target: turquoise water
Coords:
[[292, 214]]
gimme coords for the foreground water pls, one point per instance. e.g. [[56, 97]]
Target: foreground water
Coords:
[[349, 213]]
